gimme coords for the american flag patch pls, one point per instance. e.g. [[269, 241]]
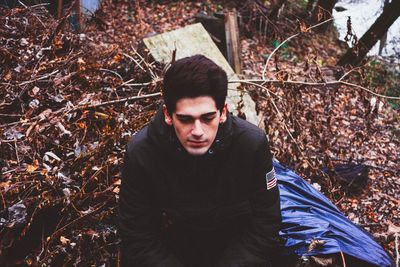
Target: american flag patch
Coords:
[[270, 179]]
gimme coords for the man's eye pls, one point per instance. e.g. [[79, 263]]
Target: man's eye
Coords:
[[185, 119], [208, 119]]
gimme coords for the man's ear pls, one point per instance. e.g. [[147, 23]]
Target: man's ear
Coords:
[[224, 114], [167, 117]]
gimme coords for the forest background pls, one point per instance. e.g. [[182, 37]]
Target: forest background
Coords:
[[73, 90]]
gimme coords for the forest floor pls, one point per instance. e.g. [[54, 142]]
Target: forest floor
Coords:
[[66, 116]]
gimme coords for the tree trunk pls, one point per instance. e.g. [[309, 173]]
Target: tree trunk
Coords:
[[322, 12], [382, 41], [357, 53]]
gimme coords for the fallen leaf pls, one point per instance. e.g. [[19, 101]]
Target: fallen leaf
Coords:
[[64, 240], [33, 167]]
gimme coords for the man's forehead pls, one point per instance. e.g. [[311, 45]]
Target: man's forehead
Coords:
[[198, 106]]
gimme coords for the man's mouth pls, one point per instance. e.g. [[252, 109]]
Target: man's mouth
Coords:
[[196, 143]]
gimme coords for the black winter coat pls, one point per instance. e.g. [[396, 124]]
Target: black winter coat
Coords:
[[212, 210]]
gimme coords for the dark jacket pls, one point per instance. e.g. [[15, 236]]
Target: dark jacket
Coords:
[[211, 210]]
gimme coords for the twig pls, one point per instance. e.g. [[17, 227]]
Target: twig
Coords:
[[147, 64], [370, 91], [64, 109], [5, 83], [283, 82], [282, 119], [347, 73], [260, 86], [135, 84], [10, 115], [8, 141], [317, 84], [19, 1], [40, 5], [267, 20], [113, 72], [280, 116], [127, 83], [285, 41], [134, 60], [396, 243], [119, 101], [343, 261], [82, 188], [58, 231], [16, 151], [41, 22], [3, 200], [119, 256], [10, 171], [40, 78]]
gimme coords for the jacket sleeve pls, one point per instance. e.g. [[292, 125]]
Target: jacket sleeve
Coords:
[[259, 242], [140, 222]]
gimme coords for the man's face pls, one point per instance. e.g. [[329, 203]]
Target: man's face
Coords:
[[196, 121]]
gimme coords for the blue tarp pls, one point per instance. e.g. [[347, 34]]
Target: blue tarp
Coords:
[[307, 214], [90, 6]]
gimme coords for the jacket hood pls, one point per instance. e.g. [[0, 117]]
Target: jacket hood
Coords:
[[163, 136]]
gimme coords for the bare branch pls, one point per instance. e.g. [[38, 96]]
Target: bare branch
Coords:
[[40, 78], [396, 243], [83, 107], [113, 72], [134, 60], [10, 115], [347, 73], [117, 101], [260, 86], [147, 64], [285, 41], [317, 84]]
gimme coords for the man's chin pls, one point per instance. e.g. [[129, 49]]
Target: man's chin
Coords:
[[194, 151]]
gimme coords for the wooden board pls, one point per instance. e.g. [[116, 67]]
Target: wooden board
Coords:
[[232, 40], [192, 40]]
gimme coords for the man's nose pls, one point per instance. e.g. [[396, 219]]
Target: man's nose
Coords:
[[197, 129]]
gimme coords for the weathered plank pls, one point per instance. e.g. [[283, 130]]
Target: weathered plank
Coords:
[[192, 40], [232, 40], [59, 8], [79, 15]]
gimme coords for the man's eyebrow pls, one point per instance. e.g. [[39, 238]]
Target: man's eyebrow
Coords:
[[183, 116], [209, 114], [202, 115]]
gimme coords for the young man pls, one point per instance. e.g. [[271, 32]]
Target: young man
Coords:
[[198, 185]]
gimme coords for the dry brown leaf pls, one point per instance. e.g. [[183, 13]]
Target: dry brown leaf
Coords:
[[33, 167], [65, 241]]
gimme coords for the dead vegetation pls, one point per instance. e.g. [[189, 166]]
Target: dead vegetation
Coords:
[[69, 105]]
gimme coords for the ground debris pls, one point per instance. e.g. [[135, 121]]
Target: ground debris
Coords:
[[60, 153]]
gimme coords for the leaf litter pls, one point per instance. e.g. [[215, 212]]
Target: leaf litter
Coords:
[[61, 148]]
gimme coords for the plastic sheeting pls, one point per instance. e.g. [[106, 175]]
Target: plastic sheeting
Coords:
[[308, 215], [90, 6]]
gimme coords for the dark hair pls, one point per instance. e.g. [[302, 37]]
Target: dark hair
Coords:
[[192, 77]]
